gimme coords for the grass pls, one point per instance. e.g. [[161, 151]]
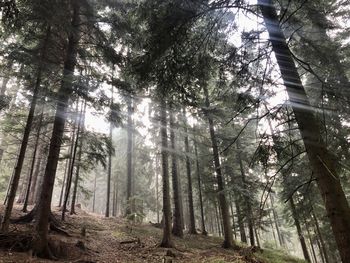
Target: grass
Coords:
[[277, 256]]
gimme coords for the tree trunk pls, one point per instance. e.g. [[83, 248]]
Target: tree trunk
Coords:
[[177, 217], [80, 139], [63, 183], [40, 242], [129, 156], [157, 191], [75, 144], [228, 239], [192, 229], [29, 183], [199, 180], [319, 234], [167, 239], [321, 160], [300, 233], [240, 222], [18, 169], [310, 241], [109, 171], [94, 195], [276, 220], [247, 200]]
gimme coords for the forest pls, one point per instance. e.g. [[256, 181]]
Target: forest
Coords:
[[175, 131]]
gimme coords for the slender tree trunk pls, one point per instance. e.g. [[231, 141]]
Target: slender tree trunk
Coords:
[[321, 160], [26, 200], [310, 241], [94, 195], [40, 242], [300, 232], [319, 234], [177, 217], [80, 139], [228, 239], [218, 221], [319, 247], [129, 156], [240, 222], [276, 220], [18, 169], [109, 172], [192, 229], [199, 180], [250, 219], [157, 192], [8, 188], [72, 164], [63, 183], [167, 239]]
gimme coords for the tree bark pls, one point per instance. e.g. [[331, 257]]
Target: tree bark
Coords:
[[228, 239], [177, 217], [80, 139], [192, 229], [300, 232], [129, 156], [40, 242], [29, 183], [75, 144], [63, 183], [109, 171], [249, 214], [321, 160], [199, 181], [167, 239], [18, 169]]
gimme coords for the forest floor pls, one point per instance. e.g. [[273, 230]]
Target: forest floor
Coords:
[[94, 238]]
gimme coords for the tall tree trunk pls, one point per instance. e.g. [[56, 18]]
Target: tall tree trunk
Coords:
[[40, 242], [129, 156], [300, 232], [247, 200], [94, 194], [320, 236], [167, 239], [157, 191], [75, 144], [80, 139], [18, 169], [322, 162], [71, 150], [276, 220], [63, 183], [240, 221], [29, 183], [199, 180], [192, 229], [310, 240], [177, 217], [109, 171], [228, 239], [217, 218]]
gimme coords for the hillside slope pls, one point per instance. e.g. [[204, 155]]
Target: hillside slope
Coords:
[[97, 239]]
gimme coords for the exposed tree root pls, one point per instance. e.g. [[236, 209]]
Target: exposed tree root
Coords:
[[16, 241], [55, 225], [55, 228]]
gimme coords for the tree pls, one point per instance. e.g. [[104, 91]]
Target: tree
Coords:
[[322, 162], [177, 216], [167, 239], [40, 243]]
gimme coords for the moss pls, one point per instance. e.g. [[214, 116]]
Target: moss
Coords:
[[277, 256]]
